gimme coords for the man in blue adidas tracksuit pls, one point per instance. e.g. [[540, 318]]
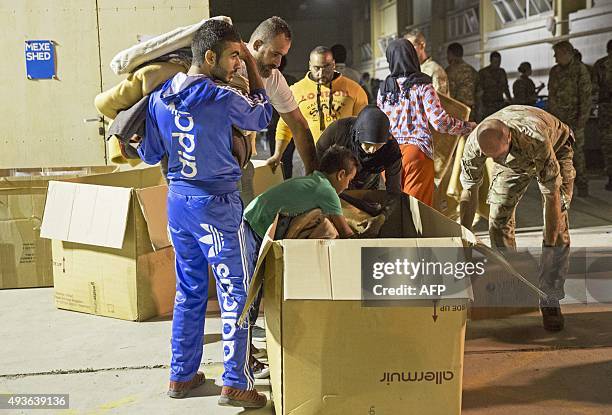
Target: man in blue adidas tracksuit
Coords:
[[190, 119]]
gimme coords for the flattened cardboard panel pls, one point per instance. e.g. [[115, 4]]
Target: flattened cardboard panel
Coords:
[[153, 203], [306, 264], [99, 215], [406, 361]]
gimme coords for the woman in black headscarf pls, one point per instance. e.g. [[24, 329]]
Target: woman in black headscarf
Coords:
[[368, 137], [410, 101]]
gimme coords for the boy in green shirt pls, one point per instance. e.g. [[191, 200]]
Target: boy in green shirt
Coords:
[[299, 195], [318, 190]]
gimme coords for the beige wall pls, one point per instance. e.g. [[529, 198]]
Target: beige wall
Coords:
[[43, 120]]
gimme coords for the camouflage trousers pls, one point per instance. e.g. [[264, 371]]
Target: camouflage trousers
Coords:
[[507, 189], [605, 135], [579, 162]]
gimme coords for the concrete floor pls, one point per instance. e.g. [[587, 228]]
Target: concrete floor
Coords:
[[512, 366]]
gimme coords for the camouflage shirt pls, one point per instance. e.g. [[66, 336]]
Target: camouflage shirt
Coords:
[[602, 78], [569, 93], [492, 83], [462, 80], [438, 75], [538, 144], [524, 92]]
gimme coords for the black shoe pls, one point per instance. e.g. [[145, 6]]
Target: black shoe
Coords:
[[552, 318], [258, 333], [609, 185]]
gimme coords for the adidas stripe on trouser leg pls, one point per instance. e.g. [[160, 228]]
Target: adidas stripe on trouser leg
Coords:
[[209, 230]]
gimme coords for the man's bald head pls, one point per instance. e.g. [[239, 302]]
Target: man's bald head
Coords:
[[417, 39], [493, 138]]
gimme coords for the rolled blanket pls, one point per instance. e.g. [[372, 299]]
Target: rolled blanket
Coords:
[[129, 59]]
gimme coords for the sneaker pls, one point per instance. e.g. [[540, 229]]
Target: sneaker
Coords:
[[179, 390], [552, 318], [260, 370], [258, 333], [259, 353], [242, 398]]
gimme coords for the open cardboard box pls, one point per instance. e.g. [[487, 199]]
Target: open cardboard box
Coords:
[[331, 353], [111, 254], [25, 258]]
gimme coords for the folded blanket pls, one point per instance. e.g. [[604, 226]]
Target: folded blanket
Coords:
[[311, 225], [129, 59], [131, 90]]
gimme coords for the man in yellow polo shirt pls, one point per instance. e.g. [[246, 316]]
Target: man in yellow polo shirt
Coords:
[[323, 96]]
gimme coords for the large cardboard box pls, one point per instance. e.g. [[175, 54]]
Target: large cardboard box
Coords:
[[331, 352], [25, 258], [111, 254]]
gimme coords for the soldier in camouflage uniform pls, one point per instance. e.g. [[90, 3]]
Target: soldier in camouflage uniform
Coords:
[[524, 90], [602, 78], [462, 78], [524, 142], [569, 99], [428, 65], [492, 86]]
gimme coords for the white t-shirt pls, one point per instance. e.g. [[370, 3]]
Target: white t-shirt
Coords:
[[278, 91]]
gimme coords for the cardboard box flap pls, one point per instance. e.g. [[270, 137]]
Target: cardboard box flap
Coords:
[[267, 245], [89, 214], [136, 178], [264, 178], [153, 203]]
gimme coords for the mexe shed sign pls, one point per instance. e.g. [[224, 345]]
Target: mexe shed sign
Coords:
[[40, 59]]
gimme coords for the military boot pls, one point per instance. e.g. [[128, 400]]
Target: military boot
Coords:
[[552, 318]]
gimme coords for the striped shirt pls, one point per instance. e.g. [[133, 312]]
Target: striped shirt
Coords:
[[411, 117]]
